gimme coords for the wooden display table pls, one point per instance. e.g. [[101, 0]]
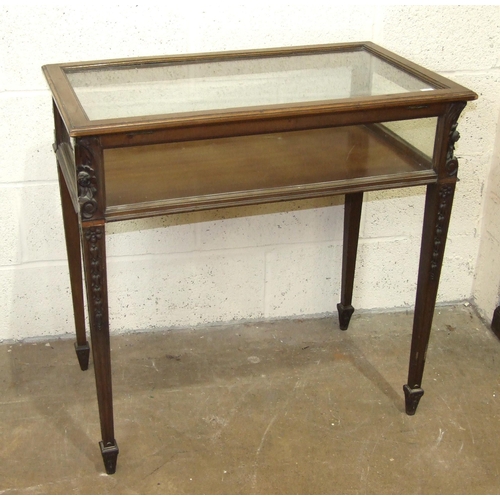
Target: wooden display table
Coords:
[[161, 135]]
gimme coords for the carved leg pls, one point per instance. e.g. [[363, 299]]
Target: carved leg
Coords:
[[352, 217], [97, 298], [72, 233], [438, 205]]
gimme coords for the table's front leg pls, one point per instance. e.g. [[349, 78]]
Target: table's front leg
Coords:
[[352, 217], [438, 204], [94, 251]]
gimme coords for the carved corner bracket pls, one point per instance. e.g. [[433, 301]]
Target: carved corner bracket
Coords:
[[451, 165], [87, 181], [446, 189]]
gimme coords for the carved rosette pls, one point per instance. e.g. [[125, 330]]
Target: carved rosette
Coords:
[[93, 236], [445, 197]]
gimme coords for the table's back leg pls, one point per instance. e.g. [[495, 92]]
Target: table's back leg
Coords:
[[73, 249], [94, 251], [438, 203], [352, 217]]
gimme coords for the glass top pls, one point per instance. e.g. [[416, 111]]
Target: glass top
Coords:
[[135, 90]]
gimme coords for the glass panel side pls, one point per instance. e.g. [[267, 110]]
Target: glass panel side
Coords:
[[130, 91], [415, 136]]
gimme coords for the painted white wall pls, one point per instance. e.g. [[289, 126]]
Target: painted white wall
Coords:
[[462, 43], [257, 262], [486, 290]]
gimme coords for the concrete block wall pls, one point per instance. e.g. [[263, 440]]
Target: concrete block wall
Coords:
[[462, 43], [247, 263], [486, 289]]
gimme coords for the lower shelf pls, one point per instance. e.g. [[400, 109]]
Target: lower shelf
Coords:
[[186, 176]]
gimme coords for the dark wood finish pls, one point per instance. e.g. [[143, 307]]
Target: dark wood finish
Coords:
[[90, 178], [445, 161], [263, 123], [438, 205], [79, 125], [72, 233], [495, 322], [412, 398], [197, 160], [94, 251], [352, 218], [183, 176], [73, 250]]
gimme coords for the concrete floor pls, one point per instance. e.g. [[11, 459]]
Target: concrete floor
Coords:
[[269, 408]]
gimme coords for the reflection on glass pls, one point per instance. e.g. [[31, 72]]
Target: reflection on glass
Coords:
[[166, 88], [419, 134]]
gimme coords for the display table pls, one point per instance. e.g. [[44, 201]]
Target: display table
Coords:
[[161, 135]]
